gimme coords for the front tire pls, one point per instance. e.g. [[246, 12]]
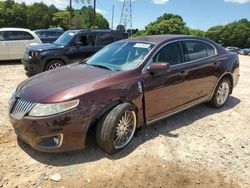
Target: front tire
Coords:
[[116, 129], [221, 93], [54, 64]]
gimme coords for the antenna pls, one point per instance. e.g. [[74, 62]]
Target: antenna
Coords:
[[126, 14]]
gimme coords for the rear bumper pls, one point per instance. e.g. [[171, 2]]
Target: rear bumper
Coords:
[[59, 133], [32, 66]]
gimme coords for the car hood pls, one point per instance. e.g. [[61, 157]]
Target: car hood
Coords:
[[63, 84], [44, 47]]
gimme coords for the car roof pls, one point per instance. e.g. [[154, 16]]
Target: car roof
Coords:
[[158, 39], [94, 30], [38, 30], [14, 29]]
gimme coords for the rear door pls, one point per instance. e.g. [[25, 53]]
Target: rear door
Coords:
[[201, 66], [4, 49]]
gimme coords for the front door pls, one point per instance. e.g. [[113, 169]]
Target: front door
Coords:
[[85, 49], [169, 90]]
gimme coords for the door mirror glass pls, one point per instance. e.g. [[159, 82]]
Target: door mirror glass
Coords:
[[160, 67]]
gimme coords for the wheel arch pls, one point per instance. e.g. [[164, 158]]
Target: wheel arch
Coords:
[[225, 75], [230, 77], [105, 110], [54, 59]]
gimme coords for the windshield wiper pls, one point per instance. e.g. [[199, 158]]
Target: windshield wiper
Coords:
[[101, 66]]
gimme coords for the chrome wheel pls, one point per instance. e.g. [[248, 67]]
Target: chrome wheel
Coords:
[[125, 129], [223, 93], [55, 65]]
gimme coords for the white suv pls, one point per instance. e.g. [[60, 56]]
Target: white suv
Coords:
[[13, 42]]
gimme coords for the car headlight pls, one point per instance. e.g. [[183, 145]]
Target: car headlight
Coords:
[[35, 54], [52, 109], [11, 100]]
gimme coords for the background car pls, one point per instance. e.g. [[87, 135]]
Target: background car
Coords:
[[49, 35], [233, 49], [72, 46], [13, 42], [245, 51]]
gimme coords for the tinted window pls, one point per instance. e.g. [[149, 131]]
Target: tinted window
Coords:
[[2, 36], [40, 33], [18, 35], [171, 54], [66, 38], [86, 40], [197, 50], [106, 38]]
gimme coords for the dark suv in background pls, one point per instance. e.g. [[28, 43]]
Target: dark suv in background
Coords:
[[73, 46], [48, 35]]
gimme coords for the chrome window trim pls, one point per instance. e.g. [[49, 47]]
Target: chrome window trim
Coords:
[[184, 63]]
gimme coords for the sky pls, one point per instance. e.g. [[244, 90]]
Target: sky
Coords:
[[198, 14]]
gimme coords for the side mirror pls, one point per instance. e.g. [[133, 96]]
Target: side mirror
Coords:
[[78, 44], [156, 68]]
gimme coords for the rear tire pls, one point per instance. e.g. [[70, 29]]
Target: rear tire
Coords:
[[54, 64], [116, 128], [221, 93]]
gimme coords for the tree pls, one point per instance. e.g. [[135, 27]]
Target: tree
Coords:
[[39, 15], [167, 24], [197, 32], [71, 9], [233, 34], [60, 19], [121, 28]]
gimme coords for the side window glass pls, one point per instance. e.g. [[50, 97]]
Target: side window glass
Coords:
[[19, 35], [171, 54], [195, 50], [91, 40], [106, 39], [28, 36], [3, 36], [86, 40]]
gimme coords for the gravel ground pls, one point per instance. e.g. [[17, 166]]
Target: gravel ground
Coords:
[[200, 147]]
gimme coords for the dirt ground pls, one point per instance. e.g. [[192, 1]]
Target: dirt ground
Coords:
[[200, 147]]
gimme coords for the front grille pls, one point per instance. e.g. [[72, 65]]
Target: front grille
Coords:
[[21, 108]]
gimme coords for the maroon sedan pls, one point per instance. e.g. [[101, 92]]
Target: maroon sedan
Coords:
[[127, 84]]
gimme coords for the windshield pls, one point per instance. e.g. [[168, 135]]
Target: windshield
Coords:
[[121, 55], [66, 38]]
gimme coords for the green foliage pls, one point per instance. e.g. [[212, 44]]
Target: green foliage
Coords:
[[233, 34], [39, 15], [166, 24], [61, 19], [197, 32], [121, 28]]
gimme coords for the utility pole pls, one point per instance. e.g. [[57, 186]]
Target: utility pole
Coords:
[[130, 5], [112, 22], [94, 24], [70, 13]]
